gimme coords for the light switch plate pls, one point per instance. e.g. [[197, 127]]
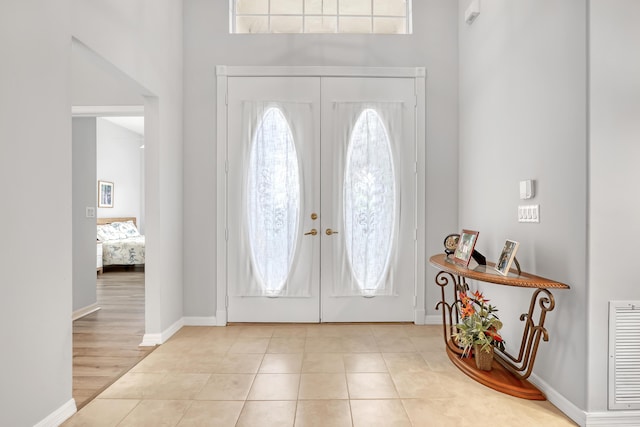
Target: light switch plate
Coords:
[[529, 213], [90, 212]]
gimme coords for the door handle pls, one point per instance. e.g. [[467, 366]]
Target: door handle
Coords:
[[329, 232], [313, 232]]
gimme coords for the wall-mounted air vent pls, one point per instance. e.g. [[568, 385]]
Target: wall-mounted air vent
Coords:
[[624, 355]]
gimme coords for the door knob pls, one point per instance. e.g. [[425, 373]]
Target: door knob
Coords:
[[329, 232], [313, 232]]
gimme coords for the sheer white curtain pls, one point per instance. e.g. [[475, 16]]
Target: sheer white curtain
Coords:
[[368, 136], [272, 197]]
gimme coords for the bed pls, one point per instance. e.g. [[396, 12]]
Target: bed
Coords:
[[122, 243]]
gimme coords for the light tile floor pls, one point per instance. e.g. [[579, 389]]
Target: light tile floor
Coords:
[[306, 375]]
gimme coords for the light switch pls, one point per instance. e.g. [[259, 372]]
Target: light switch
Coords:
[[90, 212], [529, 213]]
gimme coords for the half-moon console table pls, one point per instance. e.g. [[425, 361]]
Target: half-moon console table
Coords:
[[509, 373]]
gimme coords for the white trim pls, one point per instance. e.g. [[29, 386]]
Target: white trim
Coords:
[[150, 340], [60, 415], [419, 317], [433, 319], [561, 402], [221, 192], [611, 418], [200, 321], [221, 317], [84, 311], [319, 71], [108, 110]]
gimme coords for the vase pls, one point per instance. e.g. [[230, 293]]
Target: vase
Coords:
[[484, 359]]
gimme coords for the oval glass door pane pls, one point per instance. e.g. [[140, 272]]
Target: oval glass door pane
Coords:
[[369, 201], [273, 204]]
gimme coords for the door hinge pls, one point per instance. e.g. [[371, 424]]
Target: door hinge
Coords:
[[226, 234], [226, 98], [415, 300], [415, 99], [226, 166], [226, 301], [415, 234], [415, 167]]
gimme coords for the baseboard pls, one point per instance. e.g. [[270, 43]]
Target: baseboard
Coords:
[[419, 317], [221, 317], [613, 418], [85, 311], [433, 319], [559, 401], [200, 321], [60, 415], [150, 340]]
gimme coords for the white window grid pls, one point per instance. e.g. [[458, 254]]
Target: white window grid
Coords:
[[407, 17]]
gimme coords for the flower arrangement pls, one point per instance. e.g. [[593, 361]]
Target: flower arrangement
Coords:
[[479, 325]]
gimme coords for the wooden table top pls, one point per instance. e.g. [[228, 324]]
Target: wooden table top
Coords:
[[487, 273]]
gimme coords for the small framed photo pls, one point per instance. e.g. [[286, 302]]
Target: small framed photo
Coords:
[[466, 243], [105, 194], [507, 256]]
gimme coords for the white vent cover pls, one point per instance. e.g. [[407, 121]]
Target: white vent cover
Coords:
[[624, 355]]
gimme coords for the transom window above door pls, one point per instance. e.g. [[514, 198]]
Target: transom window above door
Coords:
[[321, 16]]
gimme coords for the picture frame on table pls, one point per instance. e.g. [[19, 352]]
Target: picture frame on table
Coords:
[[464, 250], [507, 256], [105, 194]]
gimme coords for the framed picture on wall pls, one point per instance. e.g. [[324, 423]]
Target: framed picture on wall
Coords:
[[507, 256], [105, 194], [466, 243]]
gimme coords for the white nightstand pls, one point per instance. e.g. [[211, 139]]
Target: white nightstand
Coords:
[[99, 257]]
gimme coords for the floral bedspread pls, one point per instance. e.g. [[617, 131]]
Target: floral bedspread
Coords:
[[127, 251]]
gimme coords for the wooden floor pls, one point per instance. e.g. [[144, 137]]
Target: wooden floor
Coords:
[[105, 343]]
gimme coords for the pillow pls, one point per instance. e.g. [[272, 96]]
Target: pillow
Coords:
[[128, 228], [107, 232]]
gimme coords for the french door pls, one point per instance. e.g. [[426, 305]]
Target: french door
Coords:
[[321, 199]]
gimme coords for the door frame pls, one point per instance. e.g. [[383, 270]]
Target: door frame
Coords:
[[222, 74]]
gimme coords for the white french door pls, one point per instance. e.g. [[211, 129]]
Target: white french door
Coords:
[[321, 199]]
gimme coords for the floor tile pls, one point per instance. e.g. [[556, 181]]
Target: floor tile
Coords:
[[267, 414], [177, 386], [212, 414], [323, 362], [364, 362], [156, 413], [239, 364], [323, 413], [382, 413], [281, 364], [250, 345], [323, 345], [275, 387], [323, 386], [436, 412], [102, 413], [366, 344], [133, 386], [226, 387], [286, 345], [371, 386], [387, 344]]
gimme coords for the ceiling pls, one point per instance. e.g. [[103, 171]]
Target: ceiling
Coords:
[[134, 124]]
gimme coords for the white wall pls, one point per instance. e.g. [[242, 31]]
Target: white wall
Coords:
[[208, 43], [35, 169], [119, 161], [523, 114], [143, 39], [84, 195], [614, 207], [141, 43]]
